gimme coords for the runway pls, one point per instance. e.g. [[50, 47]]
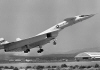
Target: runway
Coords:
[[84, 63]]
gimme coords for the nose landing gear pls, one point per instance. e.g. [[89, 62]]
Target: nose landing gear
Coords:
[[54, 42]]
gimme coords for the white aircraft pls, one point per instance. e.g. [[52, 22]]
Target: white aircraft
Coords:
[[42, 38]]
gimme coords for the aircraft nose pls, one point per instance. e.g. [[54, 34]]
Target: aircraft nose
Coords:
[[87, 15], [83, 17], [91, 15]]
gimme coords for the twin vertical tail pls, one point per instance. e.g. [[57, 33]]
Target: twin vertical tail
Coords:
[[3, 41]]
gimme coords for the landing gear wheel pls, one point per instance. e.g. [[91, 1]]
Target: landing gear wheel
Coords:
[[5, 50], [54, 43], [26, 51], [40, 50]]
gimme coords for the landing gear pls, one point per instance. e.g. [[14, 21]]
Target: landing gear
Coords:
[[54, 42], [5, 50], [40, 50], [26, 49]]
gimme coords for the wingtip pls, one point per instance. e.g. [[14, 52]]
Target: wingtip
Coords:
[[93, 14]]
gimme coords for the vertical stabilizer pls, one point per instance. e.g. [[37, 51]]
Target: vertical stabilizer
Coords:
[[3, 41]]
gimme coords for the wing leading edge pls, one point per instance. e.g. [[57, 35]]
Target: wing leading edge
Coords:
[[31, 42]]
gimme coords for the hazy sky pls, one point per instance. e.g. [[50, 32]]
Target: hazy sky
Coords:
[[26, 18]]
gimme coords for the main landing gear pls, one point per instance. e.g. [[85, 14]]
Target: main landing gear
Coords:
[[26, 49], [40, 50]]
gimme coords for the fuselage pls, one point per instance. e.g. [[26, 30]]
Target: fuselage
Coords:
[[45, 36]]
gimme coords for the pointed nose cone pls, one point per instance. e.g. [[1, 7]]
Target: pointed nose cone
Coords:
[[83, 17], [89, 16], [79, 18], [92, 15]]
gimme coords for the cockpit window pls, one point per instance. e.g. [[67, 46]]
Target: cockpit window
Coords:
[[83, 15]]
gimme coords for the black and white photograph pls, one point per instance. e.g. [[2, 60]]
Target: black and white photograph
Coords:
[[49, 34]]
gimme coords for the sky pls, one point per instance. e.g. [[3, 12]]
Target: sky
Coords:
[[26, 18]]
